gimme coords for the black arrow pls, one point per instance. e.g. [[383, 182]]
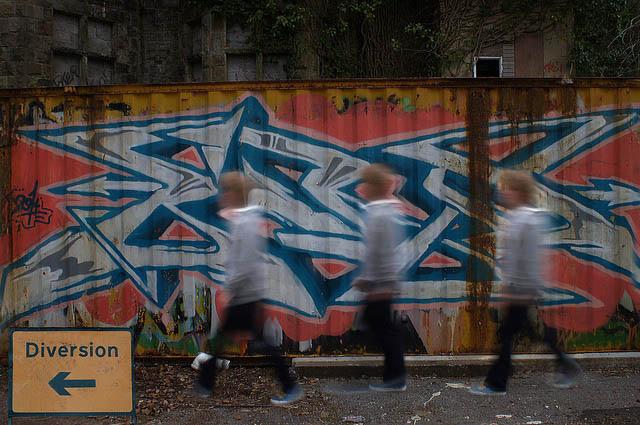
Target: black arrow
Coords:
[[60, 384]]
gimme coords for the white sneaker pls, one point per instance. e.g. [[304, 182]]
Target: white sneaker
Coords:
[[199, 360], [203, 357]]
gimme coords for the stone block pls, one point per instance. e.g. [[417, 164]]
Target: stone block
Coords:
[[46, 27], [100, 37], [32, 25], [169, 4], [66, 30], [218, 60], [14, 69], [19, 8], [12, 24], [219, 73], [35, 68], [122, 68], [46, 4], [100, 72], [34, 11], [15, 53], [40, 54], [44, 82], [70, 6], [238, 37], [7, 9], [15, 82]]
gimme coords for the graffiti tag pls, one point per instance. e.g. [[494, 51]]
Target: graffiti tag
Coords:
[[553, 67], [27, 210], [67, 78]]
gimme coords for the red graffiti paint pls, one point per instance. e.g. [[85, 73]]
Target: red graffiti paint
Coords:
[[617, 159], [117, 306], [27, 170], [362, 121], [602, 288]]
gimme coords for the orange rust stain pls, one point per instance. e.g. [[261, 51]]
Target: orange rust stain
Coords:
[[480, 195], [522, 103], [567, 100]]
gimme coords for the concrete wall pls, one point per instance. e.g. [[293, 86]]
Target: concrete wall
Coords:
[[556, 50], [110, 214]]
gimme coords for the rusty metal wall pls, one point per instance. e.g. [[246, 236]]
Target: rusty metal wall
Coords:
[[110, 213]]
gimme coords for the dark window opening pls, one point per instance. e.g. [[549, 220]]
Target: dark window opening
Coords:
[[488, 67]]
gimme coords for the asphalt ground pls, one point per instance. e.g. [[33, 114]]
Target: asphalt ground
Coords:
[[608, 392]]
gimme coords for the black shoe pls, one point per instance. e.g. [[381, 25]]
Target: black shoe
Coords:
[[568, 375], [396, 384], [484, 390], [201, 391], [294, 394]]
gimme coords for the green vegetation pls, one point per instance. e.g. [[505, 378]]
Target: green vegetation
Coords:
[[606, 38], [429, 38]]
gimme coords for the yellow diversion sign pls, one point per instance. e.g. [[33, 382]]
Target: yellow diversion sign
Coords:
[[58, 371]]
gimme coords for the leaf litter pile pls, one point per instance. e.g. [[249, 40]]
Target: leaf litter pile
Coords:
[[164, 388]]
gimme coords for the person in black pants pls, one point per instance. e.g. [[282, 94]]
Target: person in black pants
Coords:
[[516, 319], [381, 272], [245, 287], [522, 274], [379, 317]]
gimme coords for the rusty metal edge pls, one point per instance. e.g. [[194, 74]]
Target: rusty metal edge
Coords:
[[326, 84]]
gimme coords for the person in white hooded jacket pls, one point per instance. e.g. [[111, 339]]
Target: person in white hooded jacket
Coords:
[[246, 286], [382, 272], [523, 278]]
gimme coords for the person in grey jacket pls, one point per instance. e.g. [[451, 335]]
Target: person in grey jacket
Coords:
[[382, 268], [523, 277], [245, 278]]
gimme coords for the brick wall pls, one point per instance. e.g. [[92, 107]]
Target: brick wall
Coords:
[[162, 59], [74, 42], [95, 42], [26, 31]]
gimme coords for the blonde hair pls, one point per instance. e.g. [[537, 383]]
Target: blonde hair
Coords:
[[378, 176], [235, 182], [521, 182]]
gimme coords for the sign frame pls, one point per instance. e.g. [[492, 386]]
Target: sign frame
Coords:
[[13, 414]]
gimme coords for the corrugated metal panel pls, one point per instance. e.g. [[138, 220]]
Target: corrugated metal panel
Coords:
[[110, 215]]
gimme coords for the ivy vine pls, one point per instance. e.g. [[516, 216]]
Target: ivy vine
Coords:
[[431, 38]]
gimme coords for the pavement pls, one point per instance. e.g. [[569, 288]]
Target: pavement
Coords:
[[450, 366], [608, 392]]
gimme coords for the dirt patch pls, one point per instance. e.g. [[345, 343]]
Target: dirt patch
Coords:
[[163, 394]]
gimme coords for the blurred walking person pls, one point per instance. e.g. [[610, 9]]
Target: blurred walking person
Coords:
[[245, 278], [523, 278], [382, 271]]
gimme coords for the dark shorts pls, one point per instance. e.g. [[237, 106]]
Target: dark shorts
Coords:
[[243, 317]]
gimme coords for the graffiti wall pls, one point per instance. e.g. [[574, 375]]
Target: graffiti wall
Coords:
[[110, 211]]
